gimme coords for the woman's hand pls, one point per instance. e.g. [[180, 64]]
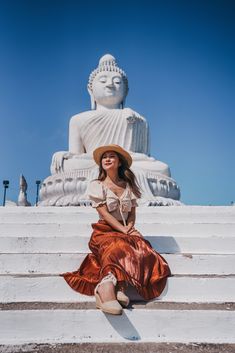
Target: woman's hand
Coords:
[[130, 230], [125, 229], [130, 227]]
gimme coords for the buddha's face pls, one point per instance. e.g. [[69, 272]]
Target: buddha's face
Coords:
[[108, 89]]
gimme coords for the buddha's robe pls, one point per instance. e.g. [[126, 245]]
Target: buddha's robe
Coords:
[[92, 129]]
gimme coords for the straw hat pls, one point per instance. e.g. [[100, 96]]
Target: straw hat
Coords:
[[98, 152]]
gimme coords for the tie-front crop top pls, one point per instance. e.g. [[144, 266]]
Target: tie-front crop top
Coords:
[[119, 207]]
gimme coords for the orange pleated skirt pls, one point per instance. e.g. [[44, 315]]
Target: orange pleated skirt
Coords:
[[130, 258]]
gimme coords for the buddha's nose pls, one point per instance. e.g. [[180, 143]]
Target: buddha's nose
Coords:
[[109, 83]]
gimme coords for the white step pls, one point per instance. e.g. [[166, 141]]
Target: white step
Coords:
[[79, 244], [173, 214], [55, 289], [186, 264], [147, 229], [78, 326], [38, 243]]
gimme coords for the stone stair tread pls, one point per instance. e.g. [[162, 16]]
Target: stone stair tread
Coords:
[[77, 326], [79, 244], [54, 289], [186, 264], [148, 229]]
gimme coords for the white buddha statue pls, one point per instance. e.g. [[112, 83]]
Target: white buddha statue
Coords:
[[107, 123]]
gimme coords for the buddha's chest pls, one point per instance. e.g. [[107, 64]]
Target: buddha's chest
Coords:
[[112, 127]]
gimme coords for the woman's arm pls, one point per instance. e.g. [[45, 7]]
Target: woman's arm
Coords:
[[112, 221], [131, 223], [131, 218]]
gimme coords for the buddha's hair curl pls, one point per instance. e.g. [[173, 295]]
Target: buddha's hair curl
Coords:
[[108, 65]]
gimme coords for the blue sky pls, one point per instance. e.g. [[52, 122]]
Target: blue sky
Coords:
[[179, 56]]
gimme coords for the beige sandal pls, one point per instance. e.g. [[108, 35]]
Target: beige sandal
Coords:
[[123, 299], [112, 306]]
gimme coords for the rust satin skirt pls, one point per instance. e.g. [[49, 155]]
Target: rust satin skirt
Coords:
[[130, 258]]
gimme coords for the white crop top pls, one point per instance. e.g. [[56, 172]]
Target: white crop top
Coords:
[[119, 207]]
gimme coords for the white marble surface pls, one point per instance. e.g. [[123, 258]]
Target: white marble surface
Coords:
[[56, 263], [49, 288], [37, 242], [77, 326]]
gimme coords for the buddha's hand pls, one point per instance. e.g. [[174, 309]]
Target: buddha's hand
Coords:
[[57, 163], [132, 116]]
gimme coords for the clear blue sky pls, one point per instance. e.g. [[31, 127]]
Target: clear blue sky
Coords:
[[179, 56]]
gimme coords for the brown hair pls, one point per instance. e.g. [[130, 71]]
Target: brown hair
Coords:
[[124, 173]]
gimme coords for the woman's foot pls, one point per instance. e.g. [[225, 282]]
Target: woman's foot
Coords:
[[106, 291], [123, 298], [106, 298]]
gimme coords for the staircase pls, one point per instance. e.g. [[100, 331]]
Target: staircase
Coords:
[[41, 313]]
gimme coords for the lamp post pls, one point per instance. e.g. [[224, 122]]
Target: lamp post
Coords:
[[38, 182], [6, 185]]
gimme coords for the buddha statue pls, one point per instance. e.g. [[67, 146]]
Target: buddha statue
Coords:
[[108, 122]]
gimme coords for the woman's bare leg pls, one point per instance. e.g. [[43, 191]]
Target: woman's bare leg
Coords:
[[107, 291]]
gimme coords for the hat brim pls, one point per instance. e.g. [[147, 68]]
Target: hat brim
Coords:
[[98, 153]]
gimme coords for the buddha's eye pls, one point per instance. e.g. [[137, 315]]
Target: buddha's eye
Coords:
[[117, 80], [103, 79]]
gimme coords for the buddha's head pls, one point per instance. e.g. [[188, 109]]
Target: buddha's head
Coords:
[[108, 84]]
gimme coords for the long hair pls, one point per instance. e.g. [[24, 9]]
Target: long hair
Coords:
[[124, 173]]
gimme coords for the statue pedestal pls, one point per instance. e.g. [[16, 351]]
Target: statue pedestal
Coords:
[[69, 188]]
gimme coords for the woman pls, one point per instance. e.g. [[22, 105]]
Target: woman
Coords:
[[120, 255]]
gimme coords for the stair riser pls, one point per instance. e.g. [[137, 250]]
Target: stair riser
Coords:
[[142, 217], [84, 229], [58, 263], [79, 244], [67, 326], [55, 289], [187, 214]]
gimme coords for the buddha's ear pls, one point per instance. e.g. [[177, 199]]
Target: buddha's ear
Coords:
[[93, 103], [123, 103], [124, 99]]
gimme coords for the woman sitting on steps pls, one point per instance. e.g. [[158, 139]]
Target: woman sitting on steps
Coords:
[[119, 253]]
